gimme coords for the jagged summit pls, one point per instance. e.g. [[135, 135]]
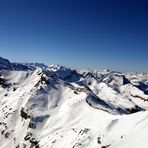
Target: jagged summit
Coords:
[[58, 107]]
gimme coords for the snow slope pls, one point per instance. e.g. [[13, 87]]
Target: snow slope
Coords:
[[58, 107]]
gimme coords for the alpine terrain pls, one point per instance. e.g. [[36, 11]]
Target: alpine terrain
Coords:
[[57, 107]]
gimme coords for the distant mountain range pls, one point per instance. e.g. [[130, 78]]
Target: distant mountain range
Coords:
[[58, 107], [7, 65]]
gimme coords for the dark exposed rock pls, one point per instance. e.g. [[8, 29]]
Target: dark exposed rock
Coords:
[[2, 132], [125, 80], [5, 95], [28, 136], [103, 147], [14, 89], [133, 110], [24, 145], [7, 135], [34, 143], [32, 125], [99, 140], [18, 146], [2, 81], [76, 92], [24, 114], [140, 97]]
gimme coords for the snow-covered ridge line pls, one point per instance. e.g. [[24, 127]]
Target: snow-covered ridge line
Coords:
[[59, 107], [7, 65]]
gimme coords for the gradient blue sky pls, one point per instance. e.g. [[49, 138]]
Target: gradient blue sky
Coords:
[[101, 34]]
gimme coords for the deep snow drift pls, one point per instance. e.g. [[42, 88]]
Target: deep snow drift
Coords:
[[57, 107]]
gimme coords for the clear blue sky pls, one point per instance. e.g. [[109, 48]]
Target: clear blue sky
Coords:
[[99, 34]]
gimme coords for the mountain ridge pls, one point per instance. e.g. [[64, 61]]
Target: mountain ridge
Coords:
[[5, 64], [59, 107]]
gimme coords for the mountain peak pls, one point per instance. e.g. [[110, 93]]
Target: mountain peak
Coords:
[[5, 64]]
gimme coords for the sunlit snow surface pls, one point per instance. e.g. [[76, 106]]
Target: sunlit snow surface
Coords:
[[57, 107]]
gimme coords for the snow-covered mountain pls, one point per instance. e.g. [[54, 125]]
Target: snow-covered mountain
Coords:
[[59, 107], [7, 65]]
